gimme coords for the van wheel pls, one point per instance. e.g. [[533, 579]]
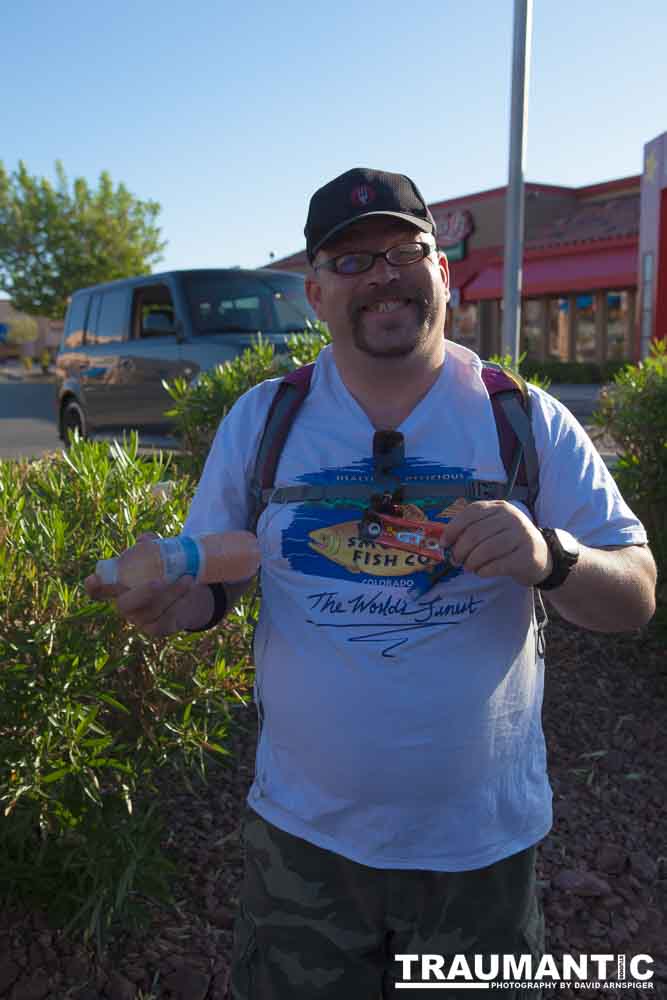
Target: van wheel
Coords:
[[72, 419]]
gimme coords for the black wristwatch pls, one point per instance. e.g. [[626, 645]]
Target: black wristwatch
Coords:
[[219, 608], [564, 549]]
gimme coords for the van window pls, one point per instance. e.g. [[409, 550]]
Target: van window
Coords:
[[93, 316], [76, 321], [153, 313], [291, 306], [245, 303], [112, 321], [243, 313], [289, 312]]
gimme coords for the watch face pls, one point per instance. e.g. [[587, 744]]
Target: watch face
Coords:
[[568, 543]]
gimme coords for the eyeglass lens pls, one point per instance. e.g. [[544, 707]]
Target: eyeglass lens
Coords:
[[404, 253]]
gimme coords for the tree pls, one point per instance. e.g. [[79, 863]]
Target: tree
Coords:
[[53, 240]]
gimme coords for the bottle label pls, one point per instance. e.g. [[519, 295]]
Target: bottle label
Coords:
[[180, 557]]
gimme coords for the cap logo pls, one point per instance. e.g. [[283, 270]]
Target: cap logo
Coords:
[[362, 195]]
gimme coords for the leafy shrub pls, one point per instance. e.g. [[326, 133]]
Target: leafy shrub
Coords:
[[577, 372], [546, 373], [634, 412], [304, 347], [22, 329], [89, 708]]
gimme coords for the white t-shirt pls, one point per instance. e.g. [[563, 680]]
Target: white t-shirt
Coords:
[[401, 729]]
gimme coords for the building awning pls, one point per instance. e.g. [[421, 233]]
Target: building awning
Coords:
[[561, 274], [461, 272]]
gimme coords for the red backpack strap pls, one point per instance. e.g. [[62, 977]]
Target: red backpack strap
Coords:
[[510, 400], [289, 396]]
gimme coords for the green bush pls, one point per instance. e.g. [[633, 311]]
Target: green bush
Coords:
[[89, 708], [22, 329], [578, 372], [634, 412]]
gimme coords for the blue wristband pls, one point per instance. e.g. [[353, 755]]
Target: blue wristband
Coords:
[[192, 560]]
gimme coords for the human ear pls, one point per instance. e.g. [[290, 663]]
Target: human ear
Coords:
[[314, 295], [444, 271]]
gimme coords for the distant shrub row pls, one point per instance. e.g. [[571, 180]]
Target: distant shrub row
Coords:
[[579, 372]]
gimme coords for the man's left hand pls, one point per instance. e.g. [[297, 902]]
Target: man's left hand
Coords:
[[494, 538]]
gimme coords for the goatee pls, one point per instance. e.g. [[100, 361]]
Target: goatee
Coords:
[[421, 333]]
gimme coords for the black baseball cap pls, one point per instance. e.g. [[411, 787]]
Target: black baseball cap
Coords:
[[359, 194]]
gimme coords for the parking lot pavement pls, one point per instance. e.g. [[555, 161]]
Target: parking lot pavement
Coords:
[[27, 419], [582, 400]]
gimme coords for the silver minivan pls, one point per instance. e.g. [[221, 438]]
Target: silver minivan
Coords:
[[123, 338]]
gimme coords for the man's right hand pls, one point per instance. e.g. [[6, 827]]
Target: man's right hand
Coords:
[[157, 608]]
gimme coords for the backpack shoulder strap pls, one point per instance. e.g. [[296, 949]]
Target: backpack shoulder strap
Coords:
[[511, 403], [290, 394]]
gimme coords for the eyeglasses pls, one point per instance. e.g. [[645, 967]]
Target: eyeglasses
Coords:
[[357, 263]]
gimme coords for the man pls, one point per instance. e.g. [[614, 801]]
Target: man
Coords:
[[400, 787]]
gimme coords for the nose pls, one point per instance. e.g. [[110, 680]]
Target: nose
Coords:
[[382, 270]]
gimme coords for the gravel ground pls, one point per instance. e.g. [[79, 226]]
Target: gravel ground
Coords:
[[602, 869]]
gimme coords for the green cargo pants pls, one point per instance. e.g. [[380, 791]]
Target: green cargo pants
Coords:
[[313, 925]]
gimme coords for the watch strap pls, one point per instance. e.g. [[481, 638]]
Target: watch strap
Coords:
[[219, 607], [562, 563]]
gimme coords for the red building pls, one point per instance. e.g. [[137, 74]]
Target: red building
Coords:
[[653, 246], [580, 270]]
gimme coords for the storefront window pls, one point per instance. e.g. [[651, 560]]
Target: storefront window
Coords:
[[618, 306], [617, 315], [465, 325], [557, 345], [531, 328], [585, 342]]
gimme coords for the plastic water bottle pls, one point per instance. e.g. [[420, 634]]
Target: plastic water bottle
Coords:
[[222, 557]]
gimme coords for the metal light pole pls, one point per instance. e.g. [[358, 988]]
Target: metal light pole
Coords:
[[523, 26]]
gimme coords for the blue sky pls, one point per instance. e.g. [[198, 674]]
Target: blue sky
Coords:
[[231, 115]]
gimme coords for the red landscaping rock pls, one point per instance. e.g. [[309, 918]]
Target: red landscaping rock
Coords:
[[581, 883], [611, 859]]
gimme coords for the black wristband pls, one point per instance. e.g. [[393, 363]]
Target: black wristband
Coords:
[[219, 607]]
